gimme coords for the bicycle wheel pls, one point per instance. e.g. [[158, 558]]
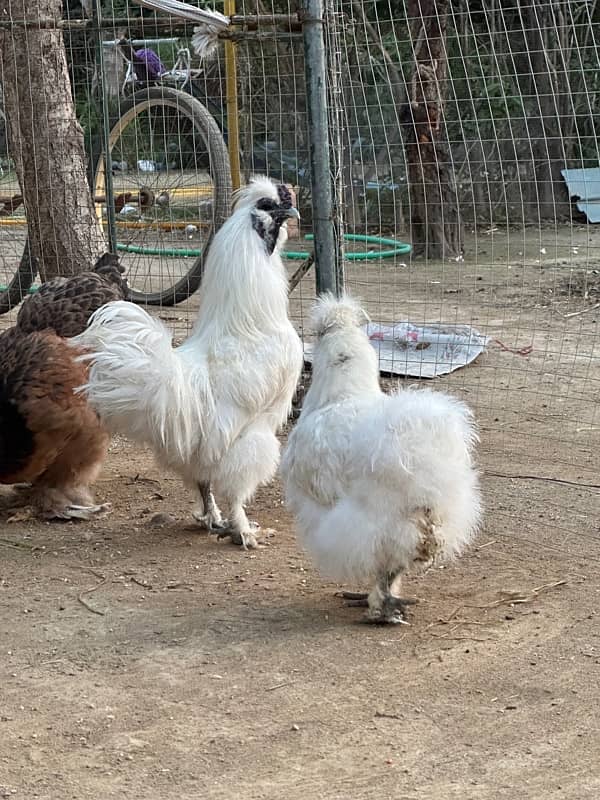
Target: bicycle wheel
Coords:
[[19, 282], [17, 271], [171, 191]]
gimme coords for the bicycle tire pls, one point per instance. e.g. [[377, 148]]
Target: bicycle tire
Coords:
[[210, 134], [20, 283]]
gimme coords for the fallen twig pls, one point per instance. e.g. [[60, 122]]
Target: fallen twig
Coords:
[[510, 598], [86, 604], [487, 544], [517, 351], [133, 579], [544, 478], [18, 545], [583, 311]]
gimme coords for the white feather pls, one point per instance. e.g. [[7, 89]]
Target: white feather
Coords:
[[205, 40], [210, 406], [360, 464]]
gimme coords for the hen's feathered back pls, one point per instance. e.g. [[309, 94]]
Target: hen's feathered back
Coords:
[[64, 305]]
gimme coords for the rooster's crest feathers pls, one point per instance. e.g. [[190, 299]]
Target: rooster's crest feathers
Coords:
[[260, 187]]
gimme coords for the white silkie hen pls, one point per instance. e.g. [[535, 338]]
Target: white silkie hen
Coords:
[[377, 483], [211, 407]]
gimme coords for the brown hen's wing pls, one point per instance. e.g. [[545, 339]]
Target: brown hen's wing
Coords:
[[40, 412], [64, 305]]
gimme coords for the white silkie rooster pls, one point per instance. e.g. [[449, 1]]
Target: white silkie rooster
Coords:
[[378, 483], [211, 407]]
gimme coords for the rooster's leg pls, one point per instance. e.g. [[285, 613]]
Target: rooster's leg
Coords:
[[250, 461], [210, 516]]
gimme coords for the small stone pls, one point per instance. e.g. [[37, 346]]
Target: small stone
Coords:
[[160, 520], [295, 727]]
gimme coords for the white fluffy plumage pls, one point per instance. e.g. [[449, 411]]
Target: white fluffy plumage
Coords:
[[377, 483], [209, 408]]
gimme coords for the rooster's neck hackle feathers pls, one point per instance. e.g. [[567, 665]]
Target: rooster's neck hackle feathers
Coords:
[[244, 290]]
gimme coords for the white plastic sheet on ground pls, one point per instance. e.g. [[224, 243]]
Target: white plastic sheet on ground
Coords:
[[422, 351]]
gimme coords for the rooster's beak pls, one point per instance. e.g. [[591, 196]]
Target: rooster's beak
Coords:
[[293, 212]]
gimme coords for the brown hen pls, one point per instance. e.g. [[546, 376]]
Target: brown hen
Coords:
[[64, 305], [49, 436]]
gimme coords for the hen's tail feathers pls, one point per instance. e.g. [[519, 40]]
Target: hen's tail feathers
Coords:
[[139, 385], [110, 268], [330, 312]]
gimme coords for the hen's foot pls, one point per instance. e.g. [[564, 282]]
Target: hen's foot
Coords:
[[78, 512], [356, 599], [241, 538], [392, 610]]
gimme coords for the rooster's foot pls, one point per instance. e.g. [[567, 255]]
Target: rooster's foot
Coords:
[[211, 522], [79, 512], [209, 515], [246, 538]]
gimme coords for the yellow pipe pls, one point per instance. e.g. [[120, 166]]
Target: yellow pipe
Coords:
[[200, 191], [233, 121], [163, 226]]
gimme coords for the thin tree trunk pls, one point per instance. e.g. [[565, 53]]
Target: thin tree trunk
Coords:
[[436, 227], [46, 141]]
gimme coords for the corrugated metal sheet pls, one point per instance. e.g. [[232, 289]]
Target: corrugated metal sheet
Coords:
[[584, 188]]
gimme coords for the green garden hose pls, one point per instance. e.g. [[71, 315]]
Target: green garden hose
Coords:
[[397, 248]]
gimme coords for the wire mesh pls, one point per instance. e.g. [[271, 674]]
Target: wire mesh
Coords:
[[451, 124], [460, 118]]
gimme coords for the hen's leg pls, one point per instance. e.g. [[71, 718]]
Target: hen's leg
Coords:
[[62, 491], [251, 460], [384, 605], [209, 516], [55, 503]]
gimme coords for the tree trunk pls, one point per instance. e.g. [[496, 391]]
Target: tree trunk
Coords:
[[46, 141], [538, 79], [436, 228]]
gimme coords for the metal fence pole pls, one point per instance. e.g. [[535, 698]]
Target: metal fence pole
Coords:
[[108, 175], [327, 244], [233, 112]]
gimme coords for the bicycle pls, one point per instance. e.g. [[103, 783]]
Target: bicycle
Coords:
[[171, 185]]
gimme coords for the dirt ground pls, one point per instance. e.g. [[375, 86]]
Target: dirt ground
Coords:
[[143, 659]]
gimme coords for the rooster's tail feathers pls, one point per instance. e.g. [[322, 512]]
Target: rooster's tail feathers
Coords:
[[138, 384]]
